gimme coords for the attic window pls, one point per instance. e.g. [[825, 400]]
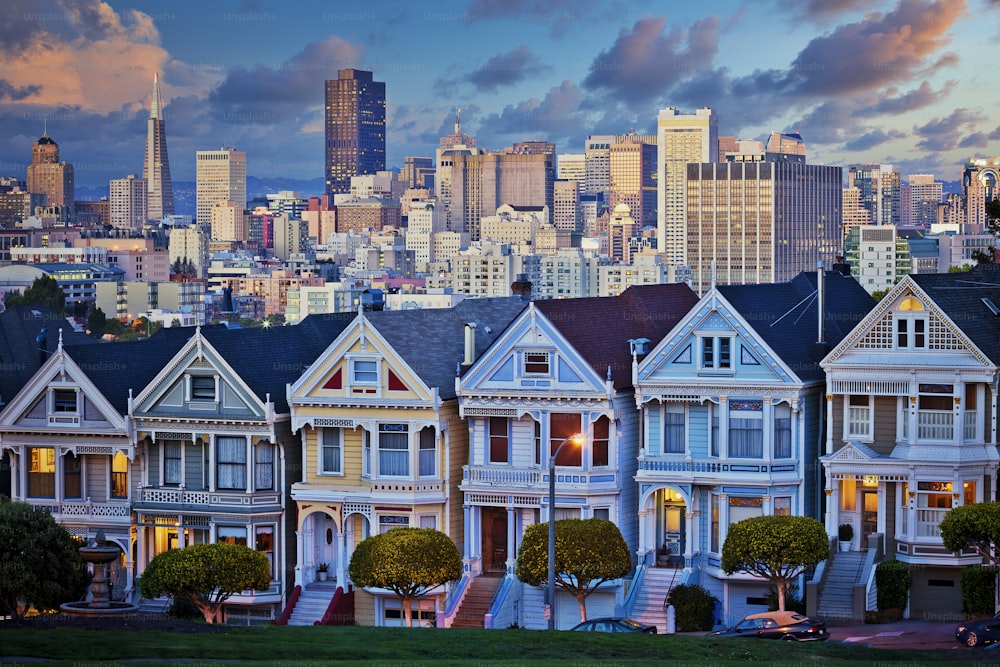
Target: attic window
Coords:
[[202, 388], [536, 363], [64, 400]]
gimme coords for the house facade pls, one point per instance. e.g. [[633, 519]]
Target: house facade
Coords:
[[911, 403], [731, 406], [561, 369], [382, 441]]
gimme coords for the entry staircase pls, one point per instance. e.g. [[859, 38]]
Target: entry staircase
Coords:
[[476, 603], [312, 603], [651, 598], [836, 598]]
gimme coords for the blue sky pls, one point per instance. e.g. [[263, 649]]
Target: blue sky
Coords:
[[908, 82]]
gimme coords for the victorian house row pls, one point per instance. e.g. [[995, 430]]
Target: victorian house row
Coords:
[[802, 398]]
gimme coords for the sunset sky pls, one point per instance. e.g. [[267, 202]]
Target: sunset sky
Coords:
[[911, 83]]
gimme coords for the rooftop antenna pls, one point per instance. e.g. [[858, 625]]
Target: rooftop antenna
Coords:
[[458, 120]]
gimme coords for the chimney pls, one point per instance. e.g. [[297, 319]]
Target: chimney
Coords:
[[522, 287], [841, 267], [470, 343]]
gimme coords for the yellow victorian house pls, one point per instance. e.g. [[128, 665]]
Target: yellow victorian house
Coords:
[[383, 444]]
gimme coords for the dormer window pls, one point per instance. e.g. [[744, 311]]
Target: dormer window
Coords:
[[202, 388], [911, 333], [716, 353], [364, 371], [537, 363], [64, 400]]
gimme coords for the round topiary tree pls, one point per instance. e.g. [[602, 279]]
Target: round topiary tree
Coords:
[[588, 553], [694, 607], [407, 561], [776, 548], [206, 574]]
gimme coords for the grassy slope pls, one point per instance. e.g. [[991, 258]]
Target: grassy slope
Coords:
[[393, 646]]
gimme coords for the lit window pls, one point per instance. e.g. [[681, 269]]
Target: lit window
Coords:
[[119, 476]]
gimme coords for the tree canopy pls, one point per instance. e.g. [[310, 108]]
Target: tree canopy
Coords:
[[44, 291], [974, 526], [407, 561], [777, 548], [39, 561], [206, 574], [588, 553]]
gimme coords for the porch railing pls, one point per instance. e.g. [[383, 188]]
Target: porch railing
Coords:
[[928, 522], [935, 425]]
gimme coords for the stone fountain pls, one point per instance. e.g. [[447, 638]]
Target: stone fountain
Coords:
[[99, 553]]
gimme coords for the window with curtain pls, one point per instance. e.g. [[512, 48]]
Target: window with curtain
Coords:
[[230, 463], [714, 427], [393, 450], [599, 445], [171, 461], [119, 476], [331, 451], [71, 476], [561, 427], [428, 452], [782, 431], [499, 440], [673, 429], [263, 469], [746, 429]]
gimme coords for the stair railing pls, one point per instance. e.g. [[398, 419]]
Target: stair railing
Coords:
[[633, 591], [500, 613], [286, 613], [452, 602]]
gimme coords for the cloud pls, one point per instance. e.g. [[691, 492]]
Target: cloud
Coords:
[[872, 139], [890, 103], [820, 11], [506, 69], [942, 134], [560, 14], [856, 57], [556, 116], [645, 62]]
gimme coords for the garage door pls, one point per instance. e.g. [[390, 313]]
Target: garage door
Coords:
[[935, 591]]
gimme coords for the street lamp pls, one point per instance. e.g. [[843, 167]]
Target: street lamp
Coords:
[[575, 439]]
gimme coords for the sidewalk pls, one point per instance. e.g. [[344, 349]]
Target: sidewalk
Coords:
[[901, 634]]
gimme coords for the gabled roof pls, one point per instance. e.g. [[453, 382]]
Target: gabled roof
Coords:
[[600, 327], [265, 359], [19, 354], [784, 315], [961, 297], [432, 340]]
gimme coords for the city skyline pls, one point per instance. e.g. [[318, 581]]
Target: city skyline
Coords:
[[883, 82]]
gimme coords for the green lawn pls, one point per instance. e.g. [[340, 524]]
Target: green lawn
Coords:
[[398, 647]]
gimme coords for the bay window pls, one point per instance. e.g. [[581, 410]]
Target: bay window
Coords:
[[499, 435], [71, 476], [673, 429], [600, 455], [428, 451], [746, 429], [331, 451], [782, 431], [172, 462], [562, 427], [231, 463], [119, 475], [393, 450], [264, 466]]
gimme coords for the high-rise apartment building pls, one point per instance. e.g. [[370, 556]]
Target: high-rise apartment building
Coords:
[[881, 191], [572, 167], [980, 184], [853, 212], [49, 177], [127, 202], [221, 177], [480, 184], [597, 163], [355, 128], [681, 139], [925, 199], [417, 172], [566, 210], [632, 168], [760, 222], [156, 164], [229, 221], [785, 146]]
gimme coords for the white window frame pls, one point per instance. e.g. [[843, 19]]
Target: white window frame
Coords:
[[710, 353], [408, 474], [432, 450], [674, 409], [190, 388], [321, 454], [868, 436], [54, 407], [905, 326], [548, 361], [352, 376]]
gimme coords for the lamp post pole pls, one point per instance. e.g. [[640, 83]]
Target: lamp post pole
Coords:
[[551, 589]]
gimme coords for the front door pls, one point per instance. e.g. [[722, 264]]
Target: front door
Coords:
[[869, 516], [494, 539]]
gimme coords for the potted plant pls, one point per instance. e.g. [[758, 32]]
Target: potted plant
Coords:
[[845, 533], [321, 571]]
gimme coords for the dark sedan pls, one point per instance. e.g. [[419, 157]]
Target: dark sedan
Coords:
[[787, 625], [979, 633], [614, 625]]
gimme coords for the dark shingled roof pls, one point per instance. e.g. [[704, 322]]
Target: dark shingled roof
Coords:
[[600, 327], [432, 340], [960, 296], [20, 326], [785, 316], [266, 359]]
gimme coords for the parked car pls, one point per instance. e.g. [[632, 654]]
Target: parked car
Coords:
[[788, 625], [616, 624], [979, 633]]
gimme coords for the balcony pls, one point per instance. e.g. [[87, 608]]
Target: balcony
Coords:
[[537, 479], [215, 500], [77, 511], [935, 425], [673, 468]]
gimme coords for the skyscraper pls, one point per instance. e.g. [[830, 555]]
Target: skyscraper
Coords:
[[681, 139], [980, 184], [632, 166], [355, 128], [880, 191], [222, 177], [925, 199], [49, 177], [156, 165], [128, 203]]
